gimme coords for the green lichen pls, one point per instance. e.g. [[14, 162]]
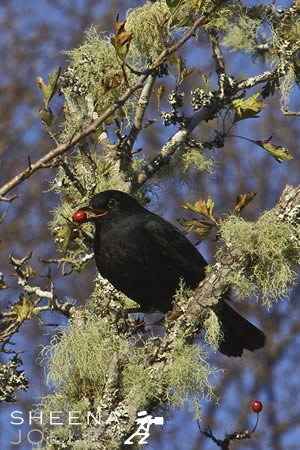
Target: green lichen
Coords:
[[225, 16], [182, 294], [93, 80], [86, 174], [242, 35], [187, 377], [182, 381], [77, 358], [105, 294], [286, 85], [79, 355], [198, 160], [141, 384], [213, 331], [12, 380], [269, 248], [65, 435], [149, 26]]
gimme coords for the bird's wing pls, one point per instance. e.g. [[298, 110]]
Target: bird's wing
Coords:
[[174, 245]]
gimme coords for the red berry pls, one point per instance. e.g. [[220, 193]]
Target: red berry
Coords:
[[257, 406], [79, 216]]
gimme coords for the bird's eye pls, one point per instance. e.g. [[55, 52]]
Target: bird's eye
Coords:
[[112, 203]]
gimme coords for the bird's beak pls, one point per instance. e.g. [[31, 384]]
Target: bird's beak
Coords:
[[95, 213]]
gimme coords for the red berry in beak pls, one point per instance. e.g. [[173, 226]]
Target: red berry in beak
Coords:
[[257, 406], [79, 216]]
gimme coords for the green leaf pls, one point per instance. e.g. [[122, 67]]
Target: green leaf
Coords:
[[29, 271], [201, 227], [202, 230], [247, 109], [206, 80], [24, 308], [277, 151], [203, 207], [160, 91], [210, 205], [243, 200], [197, 4], [173, 5], [48, 90], [173, 61], [269, 88], [183, 71], [46, 116], [122, 38], [65, 236]]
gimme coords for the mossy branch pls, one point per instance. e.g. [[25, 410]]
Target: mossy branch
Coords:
[[231, 259], [94, 126]]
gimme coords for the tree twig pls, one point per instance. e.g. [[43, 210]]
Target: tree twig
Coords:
[[27, 307], [223, 80], [139, 114]]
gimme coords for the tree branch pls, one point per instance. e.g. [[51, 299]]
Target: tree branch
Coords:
[[27, 307], [178, 140], [223, 79], [139, 114], [92, 128]]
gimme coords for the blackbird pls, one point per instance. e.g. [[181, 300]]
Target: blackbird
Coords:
[[144, 256]]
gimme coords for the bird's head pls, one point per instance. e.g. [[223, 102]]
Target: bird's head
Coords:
[[106, 203]]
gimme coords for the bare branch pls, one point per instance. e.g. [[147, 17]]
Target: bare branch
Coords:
[[70, 262], [8, 199], [27, 307], [261, 78], [287, 112], [139, 114], [223, 79]]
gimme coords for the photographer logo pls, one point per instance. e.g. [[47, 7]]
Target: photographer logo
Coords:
[[144, 421]]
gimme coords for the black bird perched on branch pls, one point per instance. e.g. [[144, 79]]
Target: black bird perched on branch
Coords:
[[144, 256]]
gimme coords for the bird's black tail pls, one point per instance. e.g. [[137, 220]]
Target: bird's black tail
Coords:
[[239, 334]]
